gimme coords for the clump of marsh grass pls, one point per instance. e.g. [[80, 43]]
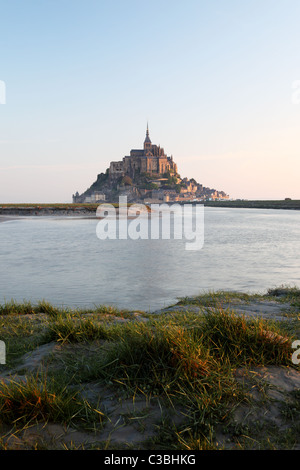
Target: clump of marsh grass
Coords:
[[160, 359], [109, 310], [284, 291], [70, 329], [13, 307], [193, 365], [287, 294], [26, 307], [194, 361], [38, 398], [244, 341], [21, 334], [166, 361], [216, 298], [45, 307]]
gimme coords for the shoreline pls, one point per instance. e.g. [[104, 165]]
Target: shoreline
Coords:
[[288, 204], [10, 211], [59, 210], [4, 218]]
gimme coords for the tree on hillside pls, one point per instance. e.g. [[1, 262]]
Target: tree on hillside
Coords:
[[126, 180]]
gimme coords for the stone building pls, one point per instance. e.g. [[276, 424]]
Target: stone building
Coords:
[[95, 197], [145, 174], [151, 159]]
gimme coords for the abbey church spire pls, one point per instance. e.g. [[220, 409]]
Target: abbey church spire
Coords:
[[147, 142]]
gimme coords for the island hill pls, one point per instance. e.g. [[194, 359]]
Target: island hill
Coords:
[[146, 175]]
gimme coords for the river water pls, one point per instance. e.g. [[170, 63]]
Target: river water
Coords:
[[63, 261]]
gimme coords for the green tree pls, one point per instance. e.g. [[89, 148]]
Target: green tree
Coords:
[[127, 180]]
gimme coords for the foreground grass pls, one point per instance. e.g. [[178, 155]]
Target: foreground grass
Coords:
[[40, 398], [25, 326], [286, 294], [13, 307], [187, 361]]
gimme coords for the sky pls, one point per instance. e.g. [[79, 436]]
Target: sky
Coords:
[[218, 81]]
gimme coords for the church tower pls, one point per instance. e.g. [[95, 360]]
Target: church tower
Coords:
[[147, 142]]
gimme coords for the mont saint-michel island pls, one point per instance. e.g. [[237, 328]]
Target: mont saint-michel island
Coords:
[[146, 175]]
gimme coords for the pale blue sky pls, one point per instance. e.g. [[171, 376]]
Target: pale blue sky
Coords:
[[214, 79]]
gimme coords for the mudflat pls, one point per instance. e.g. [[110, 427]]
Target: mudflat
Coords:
[[6, 219]]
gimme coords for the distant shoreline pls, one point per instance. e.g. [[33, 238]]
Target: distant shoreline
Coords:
[[288, 204], [32, 211], [12, 211], [85, 210]]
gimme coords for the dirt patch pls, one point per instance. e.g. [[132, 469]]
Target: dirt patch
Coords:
[[270, 393], [267, 310], [49, 436]]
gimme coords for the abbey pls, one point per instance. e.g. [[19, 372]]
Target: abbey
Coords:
[[151, 159], [146, 174]]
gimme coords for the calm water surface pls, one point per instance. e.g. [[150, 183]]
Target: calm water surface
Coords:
[[63, 261]]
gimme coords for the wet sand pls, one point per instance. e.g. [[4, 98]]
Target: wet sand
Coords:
[[6, 219]]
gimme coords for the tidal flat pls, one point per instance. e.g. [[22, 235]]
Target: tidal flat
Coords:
[[215, 371]]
